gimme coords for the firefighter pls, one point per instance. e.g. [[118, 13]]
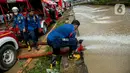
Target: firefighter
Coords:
[[52, 13], [19, 20], [33, 26], [63, 36]]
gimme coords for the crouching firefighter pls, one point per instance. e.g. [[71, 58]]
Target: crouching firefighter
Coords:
[[63, 36], [32, 26]]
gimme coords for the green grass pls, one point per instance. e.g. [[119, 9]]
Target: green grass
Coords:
[[41, 65], [59, 24]]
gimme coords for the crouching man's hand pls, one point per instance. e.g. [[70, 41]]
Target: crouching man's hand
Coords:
[[24, 30]]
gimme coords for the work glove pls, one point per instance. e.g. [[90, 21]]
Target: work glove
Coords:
[[80, 47], [24, 30]]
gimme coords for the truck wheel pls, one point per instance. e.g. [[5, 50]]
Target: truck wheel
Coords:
[[45, 29], [7, 57]]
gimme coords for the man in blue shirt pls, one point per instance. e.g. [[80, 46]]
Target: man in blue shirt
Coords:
[[19, 21], [63, 36], [33, 25]]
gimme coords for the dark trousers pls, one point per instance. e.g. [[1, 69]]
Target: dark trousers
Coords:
[[33, 36], [58, 44], [22, 36], [36, 33]]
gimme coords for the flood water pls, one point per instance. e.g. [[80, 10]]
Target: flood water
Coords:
[[106, 37]]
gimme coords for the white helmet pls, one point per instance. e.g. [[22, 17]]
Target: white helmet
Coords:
[[15, 9]]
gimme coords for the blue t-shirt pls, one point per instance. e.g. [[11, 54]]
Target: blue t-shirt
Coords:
[[20, 21], [63, 31], [33, 22]]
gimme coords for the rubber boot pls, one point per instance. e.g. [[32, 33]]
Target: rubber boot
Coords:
[[77, 56], [22, 41], [53, 61], [29, 47], [71, 57], [36, 47]]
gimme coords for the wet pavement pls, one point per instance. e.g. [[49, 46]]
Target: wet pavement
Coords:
[[106, 37]]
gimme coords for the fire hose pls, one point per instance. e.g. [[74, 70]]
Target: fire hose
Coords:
[[33, 55]]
